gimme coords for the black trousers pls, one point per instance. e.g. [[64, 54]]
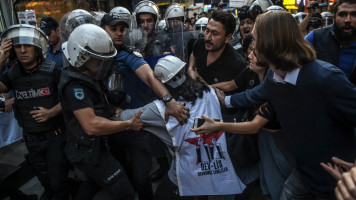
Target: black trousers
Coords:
[[109, 175], [103, 171], [168, 190], [50, 164], [132, 150]]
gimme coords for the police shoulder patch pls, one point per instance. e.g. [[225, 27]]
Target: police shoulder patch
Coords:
[[79, 93]]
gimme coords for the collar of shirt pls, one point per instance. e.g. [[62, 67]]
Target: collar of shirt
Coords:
[[291, 77]]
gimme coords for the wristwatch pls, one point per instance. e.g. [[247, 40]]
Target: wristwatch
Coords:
[[167, 97]]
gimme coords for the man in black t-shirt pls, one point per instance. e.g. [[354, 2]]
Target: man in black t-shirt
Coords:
[[213, 60], [218, 61]]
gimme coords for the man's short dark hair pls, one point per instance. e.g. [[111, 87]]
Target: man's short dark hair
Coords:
[[341, 2], [227, 19]]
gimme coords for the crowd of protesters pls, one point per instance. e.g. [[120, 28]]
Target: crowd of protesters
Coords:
[[264, 102]]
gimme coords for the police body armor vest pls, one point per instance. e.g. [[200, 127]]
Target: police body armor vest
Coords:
[[74, 129], [328, 49], [36, 89]]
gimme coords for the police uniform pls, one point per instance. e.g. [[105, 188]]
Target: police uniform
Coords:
[[90, 153], [45, 141], [130, 147]]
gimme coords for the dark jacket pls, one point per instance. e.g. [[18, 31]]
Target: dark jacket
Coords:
[[328, 49], [317, 116]]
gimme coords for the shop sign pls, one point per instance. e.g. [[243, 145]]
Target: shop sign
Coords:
[[236, 3], [27, 17]]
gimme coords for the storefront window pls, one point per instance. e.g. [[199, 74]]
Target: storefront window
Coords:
[[53, 8]]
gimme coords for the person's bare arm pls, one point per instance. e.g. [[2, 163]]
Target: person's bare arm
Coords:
[[304, 23], [211, 126], [43, 114], [5, 48], [174, 108], [225, 86], [191, 71], [95, 125]]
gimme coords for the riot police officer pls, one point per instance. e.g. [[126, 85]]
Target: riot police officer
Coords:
[[37, 108], [327, 18], [175, 17], [86, 115], [134, 145], [146, 15]]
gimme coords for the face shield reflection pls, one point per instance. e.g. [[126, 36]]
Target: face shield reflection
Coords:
[[99, 68], [79, 20], [327, 21], [200, 30], [115, 82], [136, 38], [176, 25], [115, 92]]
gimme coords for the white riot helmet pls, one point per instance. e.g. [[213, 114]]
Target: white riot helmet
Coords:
[[161, 25], [327, 18], [76, 18], [124, 14], [97, 16], [146, 7], [275, 8], [27, 34], [90, 41], [200, 26], [170, 70], [300, 16], [174, 10]]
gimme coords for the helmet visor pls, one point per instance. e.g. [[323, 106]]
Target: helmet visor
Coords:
[[27, 35], [327, 21], [99, 68], [200, 30], [79, 20], [115, 82]]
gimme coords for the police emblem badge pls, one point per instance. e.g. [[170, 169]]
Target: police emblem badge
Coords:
[[79, 93]]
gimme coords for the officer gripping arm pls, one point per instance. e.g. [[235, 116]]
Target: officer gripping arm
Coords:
[[115, 25], [80, 85]]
